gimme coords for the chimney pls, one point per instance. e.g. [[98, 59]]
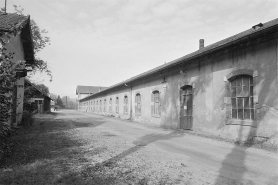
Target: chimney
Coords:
[[99, 89], [201, 43]]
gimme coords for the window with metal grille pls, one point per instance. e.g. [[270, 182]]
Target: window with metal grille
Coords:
[[125, 105], [155, 103], [242, 97], [117, 105], [138, 104]]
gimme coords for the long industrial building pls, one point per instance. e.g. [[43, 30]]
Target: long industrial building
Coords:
[[228, 89]]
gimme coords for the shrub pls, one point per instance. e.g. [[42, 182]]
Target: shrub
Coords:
[[27, 118]]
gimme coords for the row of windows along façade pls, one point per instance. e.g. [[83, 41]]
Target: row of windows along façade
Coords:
[[107, 105], [239, 99]]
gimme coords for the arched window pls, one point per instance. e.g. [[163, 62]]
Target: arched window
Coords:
[[100, 106], [155, 103], [125, 105], [117, 105], [138, 104], [242, 97], [110, 105]]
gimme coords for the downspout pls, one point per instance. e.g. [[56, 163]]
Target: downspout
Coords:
[[130, 118]]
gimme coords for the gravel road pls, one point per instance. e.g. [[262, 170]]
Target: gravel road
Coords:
[[133, 153]]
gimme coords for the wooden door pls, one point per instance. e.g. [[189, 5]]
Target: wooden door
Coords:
[[186, 107]]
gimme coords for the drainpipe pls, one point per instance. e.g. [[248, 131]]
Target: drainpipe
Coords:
[[130, 103]]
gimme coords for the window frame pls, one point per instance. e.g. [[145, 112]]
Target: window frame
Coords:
[[155, 104], [242, 97], [110, 105], [117, 105], [125, 104], [227, 98], [104, 105], [137, 104]]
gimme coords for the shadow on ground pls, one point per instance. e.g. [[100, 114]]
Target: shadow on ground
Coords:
[[53, 152], [45, 149], [109, 171]]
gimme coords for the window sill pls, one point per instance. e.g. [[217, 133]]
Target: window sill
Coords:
[[156, 116], [247, 122]]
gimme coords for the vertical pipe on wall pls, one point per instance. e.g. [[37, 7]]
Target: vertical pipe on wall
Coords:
[[130, 103]]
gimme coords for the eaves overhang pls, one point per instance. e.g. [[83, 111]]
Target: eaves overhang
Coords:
[[13, 23], [27, 41]]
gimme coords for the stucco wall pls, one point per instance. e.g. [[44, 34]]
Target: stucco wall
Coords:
[[15, 45], [209, 110], [146, 88], [208, 77], [120, 93]]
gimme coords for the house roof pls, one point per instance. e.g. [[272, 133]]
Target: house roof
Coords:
[[31, 84], [82, 89], [235, 39], [10, 22]]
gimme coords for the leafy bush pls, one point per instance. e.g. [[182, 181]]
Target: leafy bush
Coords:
[[27, 118], [4, 133], [7, 84]]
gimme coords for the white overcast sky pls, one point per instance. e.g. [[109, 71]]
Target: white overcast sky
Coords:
[[103, 42]]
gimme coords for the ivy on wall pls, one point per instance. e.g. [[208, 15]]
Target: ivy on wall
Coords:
[[7, 84]]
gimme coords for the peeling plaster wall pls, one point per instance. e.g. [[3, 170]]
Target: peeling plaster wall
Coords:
[[207, 76], [209, 110]]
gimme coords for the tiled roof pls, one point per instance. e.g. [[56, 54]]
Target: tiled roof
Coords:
[[9, 21], [12, 21], [89, 89], [206, 50]]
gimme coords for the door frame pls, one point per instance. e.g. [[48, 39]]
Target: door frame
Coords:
[[192, 96]]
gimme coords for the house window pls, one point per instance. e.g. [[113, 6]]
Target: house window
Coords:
[[138, 104], [110, 105], [117, 105], [155, 104], [125, 105], [104, 105], [100, 106], [242, 97]]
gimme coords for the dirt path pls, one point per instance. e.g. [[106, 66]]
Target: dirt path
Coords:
[[79, 148]]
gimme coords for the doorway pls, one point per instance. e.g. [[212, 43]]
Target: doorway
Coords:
[[186, 107]]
